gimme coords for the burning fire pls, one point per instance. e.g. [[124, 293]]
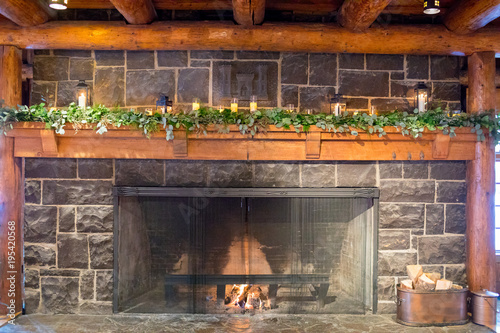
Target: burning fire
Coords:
[[246, 297]]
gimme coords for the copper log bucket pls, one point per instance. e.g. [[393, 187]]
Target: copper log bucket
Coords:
[[484, 308], [432, 308]]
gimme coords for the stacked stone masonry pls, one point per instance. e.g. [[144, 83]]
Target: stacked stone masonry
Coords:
[[69, 217], [135, 79]]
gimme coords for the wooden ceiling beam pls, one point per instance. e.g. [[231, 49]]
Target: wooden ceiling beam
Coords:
[[136, 11], [310, 6], [26, 13], [466, 16], [358, 15], [249, 12], [396, 39]]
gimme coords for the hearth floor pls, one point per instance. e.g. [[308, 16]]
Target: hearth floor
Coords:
[[219, 323]]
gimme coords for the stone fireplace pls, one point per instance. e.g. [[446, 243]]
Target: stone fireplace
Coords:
[[69, 206], [228, 250], [69, 218]]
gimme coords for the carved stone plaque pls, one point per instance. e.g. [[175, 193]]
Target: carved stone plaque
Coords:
[[242, 79]]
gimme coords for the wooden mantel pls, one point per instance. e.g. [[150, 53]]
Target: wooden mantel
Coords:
[[33, 140]]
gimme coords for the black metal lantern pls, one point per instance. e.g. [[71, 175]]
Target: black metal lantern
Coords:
[[164, 105], [431, 7], [338, 105], [82, 94], [421, 97], [58, 4]]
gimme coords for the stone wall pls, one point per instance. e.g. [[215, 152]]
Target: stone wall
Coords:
[[69, 220], [134, 79]]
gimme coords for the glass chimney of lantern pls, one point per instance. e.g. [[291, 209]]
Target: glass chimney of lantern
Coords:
[[82, 94], [338, 105], [421, 97]]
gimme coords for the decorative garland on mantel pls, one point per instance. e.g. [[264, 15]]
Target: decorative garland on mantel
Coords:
[[408, 123]]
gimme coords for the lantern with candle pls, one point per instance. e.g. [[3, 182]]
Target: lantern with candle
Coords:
[[338, 105], [164, 105], [82, 94], [234, 105], [253, 103], [421, 97]]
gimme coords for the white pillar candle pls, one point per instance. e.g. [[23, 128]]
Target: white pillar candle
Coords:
[[82, 101]]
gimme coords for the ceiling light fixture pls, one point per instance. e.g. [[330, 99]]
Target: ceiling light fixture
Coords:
[[58, 4], [431, 7]]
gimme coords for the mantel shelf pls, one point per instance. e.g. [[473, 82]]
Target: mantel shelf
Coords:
[[33, 140]]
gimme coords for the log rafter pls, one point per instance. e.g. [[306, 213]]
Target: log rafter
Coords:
[[26, 12], [397, 39], [136, 11], [466, 16], [249, 12], [358, 15]]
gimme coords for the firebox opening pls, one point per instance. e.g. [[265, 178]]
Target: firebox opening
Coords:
[[183, 250]]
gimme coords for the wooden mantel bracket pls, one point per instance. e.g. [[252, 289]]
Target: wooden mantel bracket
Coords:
[[180, 144], [441, 146], [49, 142], [313, 145]]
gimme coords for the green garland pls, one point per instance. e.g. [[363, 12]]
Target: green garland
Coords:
[[412, 123]]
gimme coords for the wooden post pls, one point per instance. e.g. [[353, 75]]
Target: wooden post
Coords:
[[481, 180], [11, 191]]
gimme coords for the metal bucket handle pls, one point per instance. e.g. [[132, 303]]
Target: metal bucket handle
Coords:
[[398, 301], [488, 301]]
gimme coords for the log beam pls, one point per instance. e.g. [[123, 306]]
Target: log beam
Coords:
[[466, 16], [249, 12], [480, 204], [358, 15], [397, 39], [26, 13], [11, 191], [136, 11]]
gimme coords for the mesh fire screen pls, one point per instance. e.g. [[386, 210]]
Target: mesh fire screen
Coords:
[[182, 250]]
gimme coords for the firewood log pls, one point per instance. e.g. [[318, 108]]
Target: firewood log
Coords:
[[414, 272], [406, 284], [433, 276], [443, 284], [424, 283]]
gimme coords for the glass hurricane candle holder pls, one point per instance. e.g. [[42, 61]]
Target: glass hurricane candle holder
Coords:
[[290, 107], [221, 108], [253, 103], [196, 104], [234, 105]]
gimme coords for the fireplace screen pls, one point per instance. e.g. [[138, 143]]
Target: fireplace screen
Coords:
[[182, 250]]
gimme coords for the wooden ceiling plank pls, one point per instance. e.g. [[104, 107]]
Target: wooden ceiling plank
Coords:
[[466, 16], [26, 13], [358, 15], [136, 11], [249, 12], [291, 37]]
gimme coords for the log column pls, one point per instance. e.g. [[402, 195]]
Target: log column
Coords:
[[481, 180], [11, 190]]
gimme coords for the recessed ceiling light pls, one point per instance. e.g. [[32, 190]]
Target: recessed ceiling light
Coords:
[[58, 4], [431, 7]]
